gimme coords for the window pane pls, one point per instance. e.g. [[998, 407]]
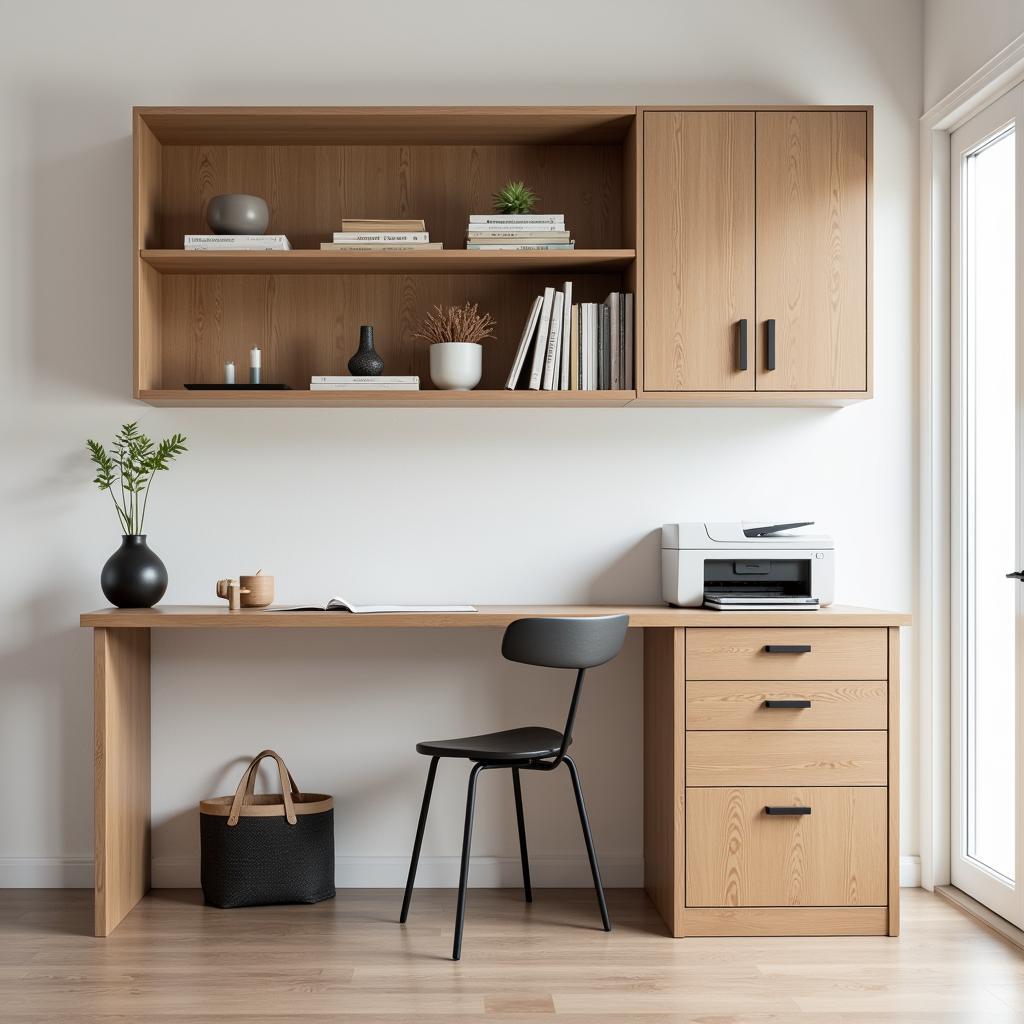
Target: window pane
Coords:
[[991, 503]]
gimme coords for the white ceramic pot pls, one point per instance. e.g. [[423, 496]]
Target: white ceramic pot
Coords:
[[456, 365]]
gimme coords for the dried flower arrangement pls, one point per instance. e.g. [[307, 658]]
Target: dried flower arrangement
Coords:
[[456, 323]]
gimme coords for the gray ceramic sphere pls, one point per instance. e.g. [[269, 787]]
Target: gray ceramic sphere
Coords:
[[237, 214]]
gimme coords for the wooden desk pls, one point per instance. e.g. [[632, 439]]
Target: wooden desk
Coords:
[[122, 741]]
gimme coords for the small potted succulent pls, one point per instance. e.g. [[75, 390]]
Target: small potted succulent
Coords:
[[134, 576], [456, 355], [515, 197]]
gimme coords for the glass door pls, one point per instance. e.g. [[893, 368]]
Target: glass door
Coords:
[[987, 168]]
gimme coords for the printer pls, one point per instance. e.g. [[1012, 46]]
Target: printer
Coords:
[[746, 566]]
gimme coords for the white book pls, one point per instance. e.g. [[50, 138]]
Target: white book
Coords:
[[254, 243], [554, 343], [612, 302], [517, 230], [354, 237], [540, 347], [529, 330], [340, 604], [520, 247], [534, 219], [379, 246], [564, 359], [327, 379], [629, 341], [364, 387]]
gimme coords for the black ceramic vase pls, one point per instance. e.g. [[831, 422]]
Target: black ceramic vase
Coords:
[[366, 362], [134, 576]]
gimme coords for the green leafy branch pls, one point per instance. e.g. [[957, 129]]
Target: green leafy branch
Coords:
[[128, 469]]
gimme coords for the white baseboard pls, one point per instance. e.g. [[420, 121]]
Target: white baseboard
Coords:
[[617, 872], [910, 872], [621, 871], [46, 873]]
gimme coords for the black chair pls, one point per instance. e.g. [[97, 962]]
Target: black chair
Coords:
[[553, 643]]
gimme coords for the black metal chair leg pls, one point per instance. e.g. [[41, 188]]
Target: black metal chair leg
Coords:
[[521, 822], [467, 836], [421, 825], [591, 854]]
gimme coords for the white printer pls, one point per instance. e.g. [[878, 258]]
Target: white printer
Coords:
[[746, 566]]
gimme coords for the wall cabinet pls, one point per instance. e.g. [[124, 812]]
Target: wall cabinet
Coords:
[[756, 253], [744, 234]]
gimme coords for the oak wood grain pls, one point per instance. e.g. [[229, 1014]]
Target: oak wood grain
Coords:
[[893, 823], [835, 704], [739, 856], [699, 249], [781, 921], [219, 617], [742, 654], [832, 758], [812, 226], [121, 796]]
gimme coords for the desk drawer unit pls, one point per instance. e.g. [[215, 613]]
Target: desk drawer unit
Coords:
[[780, 796]]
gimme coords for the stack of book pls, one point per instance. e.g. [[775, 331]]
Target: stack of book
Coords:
[[518, 231], [364, 384], [567, 346], [381, 236], [238, 243]]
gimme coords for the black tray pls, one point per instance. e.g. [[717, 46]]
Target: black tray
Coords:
[[238, 387]]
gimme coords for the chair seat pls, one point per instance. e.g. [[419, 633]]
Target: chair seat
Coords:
[[510, 745]]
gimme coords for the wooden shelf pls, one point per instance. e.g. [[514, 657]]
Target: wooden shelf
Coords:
[[434, 261], [179, 397]]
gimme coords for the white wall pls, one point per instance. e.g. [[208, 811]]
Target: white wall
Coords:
[[960, 36], [482, 505]]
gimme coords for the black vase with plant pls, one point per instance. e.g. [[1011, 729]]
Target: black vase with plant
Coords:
[[133, 576], [366, 362]]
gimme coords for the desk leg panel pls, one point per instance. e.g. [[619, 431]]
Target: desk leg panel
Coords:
[[121, 759], [664, 737]]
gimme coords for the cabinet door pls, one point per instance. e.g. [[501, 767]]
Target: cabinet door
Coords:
[[812, 250], [698, 251]]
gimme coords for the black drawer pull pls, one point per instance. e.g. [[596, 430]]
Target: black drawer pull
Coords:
[[787, 703], [769, 329], [787, 810], [741, 345], [787, 648]]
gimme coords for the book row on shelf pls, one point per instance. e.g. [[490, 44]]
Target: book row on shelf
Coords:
[[485, 232], [568, 346]]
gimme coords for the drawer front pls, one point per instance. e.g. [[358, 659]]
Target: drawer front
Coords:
[[797, 704], [737, 855], [817, 652], [786, 758]]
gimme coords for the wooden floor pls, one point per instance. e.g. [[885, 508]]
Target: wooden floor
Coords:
[[347, 960]]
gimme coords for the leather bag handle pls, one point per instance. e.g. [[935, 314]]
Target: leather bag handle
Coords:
[[247, 784]]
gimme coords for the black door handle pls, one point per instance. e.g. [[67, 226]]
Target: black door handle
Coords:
[[769, 330], [741, 344], [1018, 575], [787, 648], [787, 703], [787, 810]]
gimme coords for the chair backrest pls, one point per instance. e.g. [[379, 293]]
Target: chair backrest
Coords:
[[565, 643]]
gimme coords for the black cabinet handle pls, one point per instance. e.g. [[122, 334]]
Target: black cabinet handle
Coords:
[[1018, 575], [787, 703], [787, 810], [741, 344], [787, 648], [769, 328]]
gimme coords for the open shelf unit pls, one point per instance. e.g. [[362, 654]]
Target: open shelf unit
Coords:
[[196, 310]]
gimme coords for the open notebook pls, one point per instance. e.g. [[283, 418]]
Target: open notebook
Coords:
[[339, 604]]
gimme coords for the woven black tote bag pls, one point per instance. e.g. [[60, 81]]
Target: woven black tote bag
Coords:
[[267, 848]]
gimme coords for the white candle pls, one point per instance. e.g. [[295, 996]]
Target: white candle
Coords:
[[229, 373], [254, 358]]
